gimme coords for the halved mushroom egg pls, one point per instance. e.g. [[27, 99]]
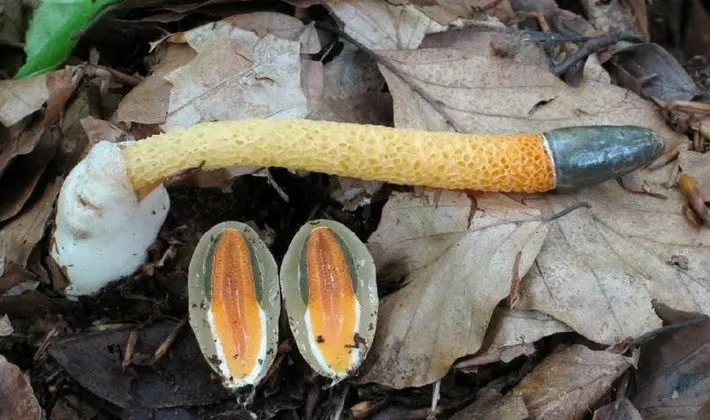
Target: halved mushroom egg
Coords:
[[329, 289], [234, 302]]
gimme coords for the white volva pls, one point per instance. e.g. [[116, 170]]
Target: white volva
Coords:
[[102, 232]]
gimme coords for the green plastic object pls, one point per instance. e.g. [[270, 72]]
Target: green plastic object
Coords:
[[50, 36]]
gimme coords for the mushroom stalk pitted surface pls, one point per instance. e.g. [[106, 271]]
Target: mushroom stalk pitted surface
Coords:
[[128, 177]]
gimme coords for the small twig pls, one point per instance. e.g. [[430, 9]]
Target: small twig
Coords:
[[341, 403], [130, 347], [45, 344], [588, 48], [558, 38], [124, 78], [435, 400], [165, 345], [566, 211]]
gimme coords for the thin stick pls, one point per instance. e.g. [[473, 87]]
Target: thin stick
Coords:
[[567, 211], [588, 48]]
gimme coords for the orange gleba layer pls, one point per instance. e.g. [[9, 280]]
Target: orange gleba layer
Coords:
[[234, 303], [331, 299]]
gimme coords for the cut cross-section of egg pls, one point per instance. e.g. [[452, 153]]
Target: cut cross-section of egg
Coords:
[[235, 303], [329, 289]]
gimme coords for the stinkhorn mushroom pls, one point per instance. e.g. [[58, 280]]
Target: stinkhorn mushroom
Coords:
[[113, 204]]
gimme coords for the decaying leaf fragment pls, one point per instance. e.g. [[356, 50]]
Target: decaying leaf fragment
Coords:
[[19, 237], [16, 394], [20, 98], [569, 381], [384, 25], [456, 260], [673, 369], [262, 74], [330, 294], [234, 303]]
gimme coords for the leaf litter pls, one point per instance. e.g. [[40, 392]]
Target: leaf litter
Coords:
[[474, 287], [457, 245]]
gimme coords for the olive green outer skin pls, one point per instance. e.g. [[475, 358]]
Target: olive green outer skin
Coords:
[[199, 294], [589, 155], [366, 291]]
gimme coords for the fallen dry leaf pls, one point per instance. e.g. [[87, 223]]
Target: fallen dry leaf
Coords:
[[457, 260], [383, 25], [17, 398], [672, 375], [147, 103], [569, 381], [619, 253], [26, 156], [508, 407], [100, 130], [20, 98], [61, 84], [181, 378], [511, 333], [20, 236], [280, 25], [448, 12], [259, 78], [651, 71], [617, 410]]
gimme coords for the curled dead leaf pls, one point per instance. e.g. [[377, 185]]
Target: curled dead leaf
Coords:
[[651, 71], [672, 372]]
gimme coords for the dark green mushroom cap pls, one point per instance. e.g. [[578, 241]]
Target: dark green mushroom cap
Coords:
[[588, 155]]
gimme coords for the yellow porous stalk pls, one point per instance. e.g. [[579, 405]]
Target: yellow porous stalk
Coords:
[[447, 160]]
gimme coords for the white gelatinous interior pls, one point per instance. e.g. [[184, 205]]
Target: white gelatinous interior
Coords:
[[229, 380], [546, 144], [355, 358], [102, 231]]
